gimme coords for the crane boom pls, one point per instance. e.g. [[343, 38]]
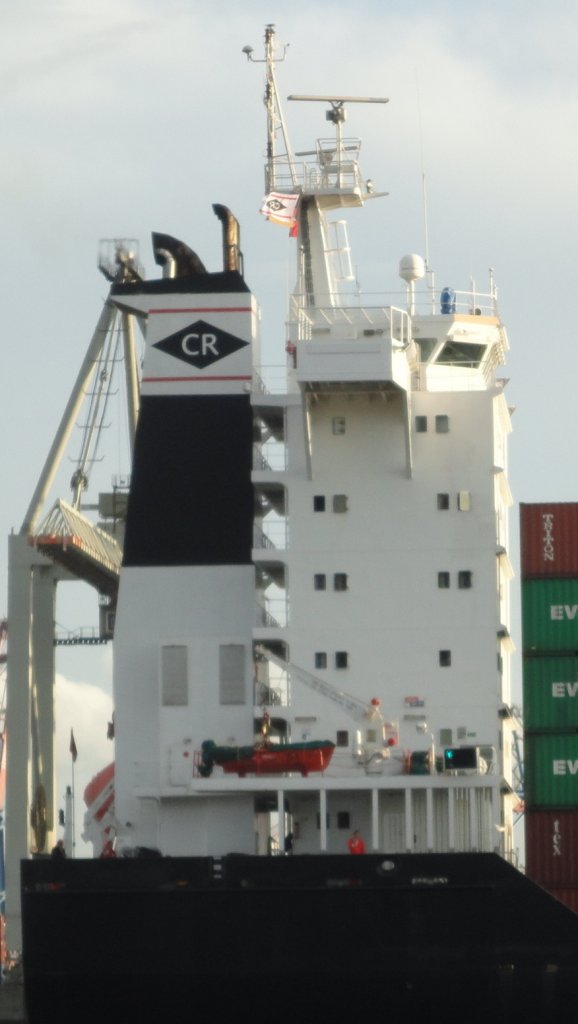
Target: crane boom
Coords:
[[354, 706]]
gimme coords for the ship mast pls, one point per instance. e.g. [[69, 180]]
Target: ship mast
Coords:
[[275, 117]]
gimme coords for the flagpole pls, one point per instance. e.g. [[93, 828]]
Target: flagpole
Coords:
[[73, 755], [73, 813]]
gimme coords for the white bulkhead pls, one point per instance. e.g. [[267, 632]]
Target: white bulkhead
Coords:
[[333, 557]]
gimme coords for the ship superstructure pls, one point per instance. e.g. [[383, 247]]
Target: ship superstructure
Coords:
[[311, 642], [353, 527]]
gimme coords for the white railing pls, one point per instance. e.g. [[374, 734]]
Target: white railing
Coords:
[[274, 613], [270, 456], [351, 322], [270, 536], [331, 169]]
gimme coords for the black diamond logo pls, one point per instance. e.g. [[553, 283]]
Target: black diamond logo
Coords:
[[200, 344]]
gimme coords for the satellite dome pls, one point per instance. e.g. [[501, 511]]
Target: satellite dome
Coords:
[[411, 268]]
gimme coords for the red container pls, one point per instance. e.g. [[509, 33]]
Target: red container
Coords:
[[549, 540], [552, 848]]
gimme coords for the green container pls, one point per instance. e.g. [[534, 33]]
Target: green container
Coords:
[[550, 616], [550, 694], [551, 771]]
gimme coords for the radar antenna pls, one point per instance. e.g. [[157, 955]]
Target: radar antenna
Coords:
[[338, 114]]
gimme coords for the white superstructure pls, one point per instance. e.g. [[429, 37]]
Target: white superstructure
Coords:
[[378, 566]]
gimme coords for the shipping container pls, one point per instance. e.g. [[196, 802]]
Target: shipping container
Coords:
[[549, 540], [550, 694], [550, 616], [551, 770], [552, 847]]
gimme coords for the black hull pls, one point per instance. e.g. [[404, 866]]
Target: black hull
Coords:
[[464, 936]]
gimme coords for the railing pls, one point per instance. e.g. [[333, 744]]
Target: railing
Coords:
[[261, 540], [259, 460], [270, 456], [350, 323], [425, 301], [271, 534], [273, 614], [332, 169], [269, 696]]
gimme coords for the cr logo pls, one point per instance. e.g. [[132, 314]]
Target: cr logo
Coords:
[[190, 344]]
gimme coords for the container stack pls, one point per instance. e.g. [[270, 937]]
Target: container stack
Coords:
[[549, 544]]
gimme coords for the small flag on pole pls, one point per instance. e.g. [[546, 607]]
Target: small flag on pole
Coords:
[[72, 747], [281, 209]]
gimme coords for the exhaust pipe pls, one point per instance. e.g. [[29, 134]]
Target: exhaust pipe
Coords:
[[232, 255]]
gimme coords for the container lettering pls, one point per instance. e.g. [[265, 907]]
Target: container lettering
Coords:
[[561, 767], [561, 689], [548, 540], [563, 611], [556, 840]]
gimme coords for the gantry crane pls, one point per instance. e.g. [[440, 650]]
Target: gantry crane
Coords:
[[64, 545]]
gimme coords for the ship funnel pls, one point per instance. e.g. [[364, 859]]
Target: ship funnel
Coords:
[[176, 258], [232, 255]]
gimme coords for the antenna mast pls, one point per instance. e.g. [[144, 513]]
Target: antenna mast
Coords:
[[275, 116]]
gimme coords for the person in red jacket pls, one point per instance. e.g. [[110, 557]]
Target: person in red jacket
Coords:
[[355, 844]]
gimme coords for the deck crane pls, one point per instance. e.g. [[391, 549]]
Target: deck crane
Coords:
[[375, 737]]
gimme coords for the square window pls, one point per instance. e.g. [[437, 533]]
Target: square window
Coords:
[[464, 579], [319, 581], [338, 424], [443, 502], [340, 581], [443, 580], [342, 738], [319, 503], [341, 659], [340, 503], [320, 659], [445, 659], [343, 819], [421, 424], [442, 424]]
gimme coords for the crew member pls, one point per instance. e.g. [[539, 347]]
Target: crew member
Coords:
[[355, 843]]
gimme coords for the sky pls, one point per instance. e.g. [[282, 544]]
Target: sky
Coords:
[[120, 117]]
